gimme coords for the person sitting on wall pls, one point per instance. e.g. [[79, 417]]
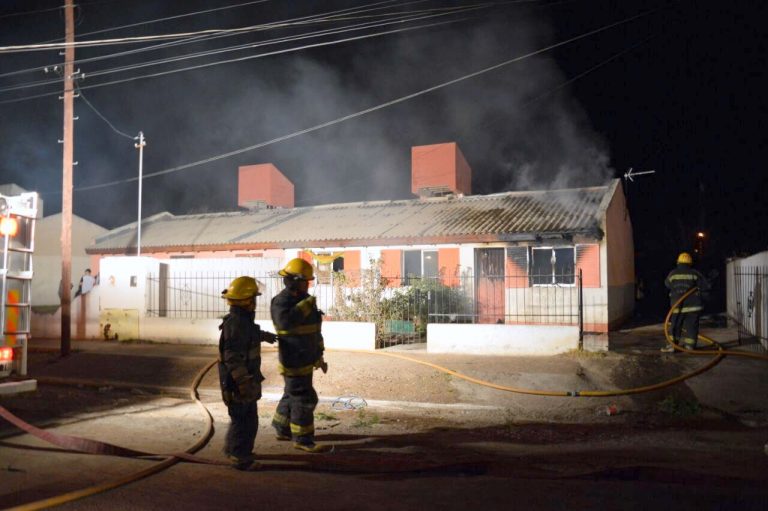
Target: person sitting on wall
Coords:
[[87, 281]]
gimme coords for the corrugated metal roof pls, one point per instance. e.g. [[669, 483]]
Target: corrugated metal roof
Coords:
[[499, 216]]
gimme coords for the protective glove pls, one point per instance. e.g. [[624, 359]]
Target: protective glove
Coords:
[[322, 365], [307, 305], [248, 389], [268, 337]]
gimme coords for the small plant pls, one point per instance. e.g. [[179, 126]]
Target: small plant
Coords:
[[678, 407], [364, 419], [321, 416]]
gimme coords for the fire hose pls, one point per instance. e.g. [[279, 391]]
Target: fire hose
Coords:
[[96, 447]]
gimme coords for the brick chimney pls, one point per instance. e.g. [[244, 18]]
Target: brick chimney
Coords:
[[439, 169], [263, 185]]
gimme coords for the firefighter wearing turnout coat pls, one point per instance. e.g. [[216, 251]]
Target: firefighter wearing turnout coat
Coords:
[[240, 369], [685, 317], [297, 322]]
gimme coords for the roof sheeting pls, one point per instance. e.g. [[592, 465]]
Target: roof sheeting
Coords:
[[482, 217]]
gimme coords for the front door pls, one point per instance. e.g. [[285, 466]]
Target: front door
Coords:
[[489, 268]]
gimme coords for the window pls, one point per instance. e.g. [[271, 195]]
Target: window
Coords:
[[338, 264], [429, 258], [411, 265], [419, 263], [552, 265]]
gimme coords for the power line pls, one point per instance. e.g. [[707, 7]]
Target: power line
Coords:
[[377, 107], [404, 18], [240, 59], [322, 17], [26, 13], [103, 118]]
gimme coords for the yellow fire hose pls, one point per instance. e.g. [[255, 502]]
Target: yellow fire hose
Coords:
[[718, 354]]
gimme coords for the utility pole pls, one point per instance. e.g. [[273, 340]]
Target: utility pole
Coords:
[[66, 186], [140, 146]]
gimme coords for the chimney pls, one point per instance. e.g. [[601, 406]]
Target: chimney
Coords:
[[263, 185], [439, 169]]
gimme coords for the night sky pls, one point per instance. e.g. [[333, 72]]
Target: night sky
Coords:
[[679, 90]]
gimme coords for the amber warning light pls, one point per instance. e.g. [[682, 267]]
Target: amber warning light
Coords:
[[9, 226], [6, 354]]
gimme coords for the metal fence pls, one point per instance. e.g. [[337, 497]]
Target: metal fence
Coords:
[[401, 307], [751, 312]]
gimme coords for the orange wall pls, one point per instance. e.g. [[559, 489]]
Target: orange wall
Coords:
[[448, 265], [352, 266], [619, 243], [440, 165], [390, 267], [589, 263], [264, 182]]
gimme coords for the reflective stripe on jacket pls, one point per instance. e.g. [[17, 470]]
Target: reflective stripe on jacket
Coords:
[[681, 280], [300, 341]]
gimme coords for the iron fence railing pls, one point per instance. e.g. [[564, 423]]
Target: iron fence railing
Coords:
[[751, 311], [401, 307]]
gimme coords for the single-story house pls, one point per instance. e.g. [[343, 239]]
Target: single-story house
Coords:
[[518, 256]]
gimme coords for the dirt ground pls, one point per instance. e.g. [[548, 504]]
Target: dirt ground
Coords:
[[406, 436]]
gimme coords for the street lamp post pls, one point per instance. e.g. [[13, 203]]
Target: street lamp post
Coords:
[[140, 146]]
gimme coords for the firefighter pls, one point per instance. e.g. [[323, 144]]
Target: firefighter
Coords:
[[240, 369], [297, 322], [685, 317]]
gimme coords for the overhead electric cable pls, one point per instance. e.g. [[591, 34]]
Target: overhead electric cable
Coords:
[[377, 107], [37, 11], [527, 103], [404, 18], [315, 18], [240, 59], [103, 118]]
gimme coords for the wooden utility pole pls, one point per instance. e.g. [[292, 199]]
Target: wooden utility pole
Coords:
[[66, 186]]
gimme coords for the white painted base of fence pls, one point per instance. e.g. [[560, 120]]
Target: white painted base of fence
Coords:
[[501, 339]]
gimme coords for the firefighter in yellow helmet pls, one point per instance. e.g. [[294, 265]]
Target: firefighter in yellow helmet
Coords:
[[240, 369], [685, 317], [297, 322]]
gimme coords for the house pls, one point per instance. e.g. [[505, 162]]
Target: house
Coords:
[[551, 258]]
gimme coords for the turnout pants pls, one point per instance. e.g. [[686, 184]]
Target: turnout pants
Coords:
[[243, 426], [685, 328], [294, 416]]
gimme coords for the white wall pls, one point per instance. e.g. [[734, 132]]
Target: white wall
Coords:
[[85, 319], [501, 339], [752, 290], [47, 256]]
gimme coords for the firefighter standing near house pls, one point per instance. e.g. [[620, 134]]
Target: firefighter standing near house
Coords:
[[685, 317], [240, 369], [297, 322]]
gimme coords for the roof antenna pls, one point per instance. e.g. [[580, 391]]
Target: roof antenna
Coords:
[[628, 175]]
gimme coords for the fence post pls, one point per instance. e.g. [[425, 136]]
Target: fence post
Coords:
[[581, 312]]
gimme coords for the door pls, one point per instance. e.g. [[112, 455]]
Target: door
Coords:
[[489, 284]]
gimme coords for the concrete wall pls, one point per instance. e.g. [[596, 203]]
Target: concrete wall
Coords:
[[85, 316], [747, 301], [620, 258], [47, 256], [501, 339]]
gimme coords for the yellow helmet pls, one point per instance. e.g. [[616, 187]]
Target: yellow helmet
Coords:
[[299, 269], [242, 288], [684, 258]]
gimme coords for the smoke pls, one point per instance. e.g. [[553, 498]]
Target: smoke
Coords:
[[514, 135]]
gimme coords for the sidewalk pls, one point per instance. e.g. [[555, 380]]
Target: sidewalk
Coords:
[[734, 387]]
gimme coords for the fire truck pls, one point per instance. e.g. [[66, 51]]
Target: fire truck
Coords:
[[17, 241]]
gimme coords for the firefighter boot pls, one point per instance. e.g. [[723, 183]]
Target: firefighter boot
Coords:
[[312, 447]]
